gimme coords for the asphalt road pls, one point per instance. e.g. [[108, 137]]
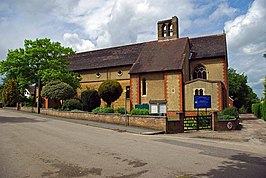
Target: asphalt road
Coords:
[[35, 146]]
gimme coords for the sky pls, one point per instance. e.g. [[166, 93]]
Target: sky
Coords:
[[94, 24]]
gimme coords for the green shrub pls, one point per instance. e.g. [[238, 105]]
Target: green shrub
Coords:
[[99, 110], [263, 110], [120, 110], [230, 112], [256, 109], [243, 110], [227, 117], [10, 93], [57, 90], [71, 104], [110, 91], [90, 100], [138, 111]]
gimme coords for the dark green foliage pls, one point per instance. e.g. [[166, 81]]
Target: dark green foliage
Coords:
[[243, 110], [29, 101], [120, 110], [263, 110], [110, 91], [10, 93], [226, 117], [256, 109], [57, 90], [99, 110], [138, 111], [230, 112], [242, 94], [90, 100], [71, 104]]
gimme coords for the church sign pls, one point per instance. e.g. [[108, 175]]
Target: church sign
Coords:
[[203, 101]]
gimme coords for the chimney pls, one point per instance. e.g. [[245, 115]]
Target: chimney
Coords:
[[168, 29]]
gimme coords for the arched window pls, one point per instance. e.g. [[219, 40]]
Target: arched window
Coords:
[[144, 87], [200, 72], [164, 31], [171, 30]]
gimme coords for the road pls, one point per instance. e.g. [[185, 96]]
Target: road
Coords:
[[38, 146]]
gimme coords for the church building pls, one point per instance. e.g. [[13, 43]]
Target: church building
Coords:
[[171, 69]]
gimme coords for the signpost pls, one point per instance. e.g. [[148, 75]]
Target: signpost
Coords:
[[202, 101]]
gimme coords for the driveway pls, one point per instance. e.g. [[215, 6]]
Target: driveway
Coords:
[[253, 131]]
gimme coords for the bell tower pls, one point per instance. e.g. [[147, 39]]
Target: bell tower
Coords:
[[168, 29]]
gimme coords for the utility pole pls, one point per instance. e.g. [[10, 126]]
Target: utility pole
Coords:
[[39, 95]]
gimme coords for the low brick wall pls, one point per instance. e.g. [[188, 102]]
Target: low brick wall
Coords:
[[225, 125], [152, 122]]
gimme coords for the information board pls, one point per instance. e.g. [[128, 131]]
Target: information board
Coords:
[[203, 101]]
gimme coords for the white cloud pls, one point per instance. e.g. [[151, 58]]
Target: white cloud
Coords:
[[76, 43], [246, 33]]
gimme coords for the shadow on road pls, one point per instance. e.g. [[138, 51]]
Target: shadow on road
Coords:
[[18, 120], [240, 165]]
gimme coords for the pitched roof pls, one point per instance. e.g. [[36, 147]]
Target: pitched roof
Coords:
[[161, 56], [109, 57], [208, 46]]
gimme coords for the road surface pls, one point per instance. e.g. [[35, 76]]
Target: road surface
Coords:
[[36, 146]]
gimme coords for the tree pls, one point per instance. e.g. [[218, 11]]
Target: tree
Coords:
[[110, 91], [90, 100], [264, 91], [242, 94], [57, 90], [39, 59], [10, 93]]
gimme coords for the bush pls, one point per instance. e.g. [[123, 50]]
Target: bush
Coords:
[[256, 109], [263, 110], [230, 112], [99, 110], [57, 90], [110, 91], [138, 111], [71, 104], [243, 110], [10, 93], [120, 110], [90, 100]]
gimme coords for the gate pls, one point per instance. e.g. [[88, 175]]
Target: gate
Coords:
[[197, 122]]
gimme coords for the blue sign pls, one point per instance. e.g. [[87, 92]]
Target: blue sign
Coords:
[[202, 101]]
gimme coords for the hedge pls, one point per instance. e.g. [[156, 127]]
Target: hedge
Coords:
[[71, 104], [259, 110], [138, 111]]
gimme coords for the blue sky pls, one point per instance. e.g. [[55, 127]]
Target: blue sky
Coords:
[[88, 25]]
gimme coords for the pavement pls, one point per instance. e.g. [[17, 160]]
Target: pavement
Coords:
[[115, 127]]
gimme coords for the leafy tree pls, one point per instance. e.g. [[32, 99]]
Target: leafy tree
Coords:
[[39, 59], [264, 91], [242, 94], [90, 100], [10, 93], [110, 91], [57, 90]]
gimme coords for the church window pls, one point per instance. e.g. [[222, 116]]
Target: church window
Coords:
[[164, 31], [98, 75], [199, 91], [171, 30], [119, 73], [144, 87], [200, 72]]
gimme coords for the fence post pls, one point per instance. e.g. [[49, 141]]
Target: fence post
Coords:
[[214, 120]]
